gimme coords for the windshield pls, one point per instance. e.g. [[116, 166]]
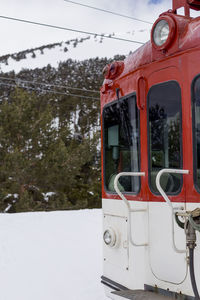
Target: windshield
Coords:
[[121, 144]]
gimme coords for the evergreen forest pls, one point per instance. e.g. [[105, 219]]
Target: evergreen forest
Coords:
[[50, 137]]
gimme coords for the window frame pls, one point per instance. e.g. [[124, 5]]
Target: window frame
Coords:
[[194, 144], [180, 138], [139, 147]]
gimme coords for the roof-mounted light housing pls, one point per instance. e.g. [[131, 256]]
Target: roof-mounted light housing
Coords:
[[113, 70], [194, 4], [162, 33]]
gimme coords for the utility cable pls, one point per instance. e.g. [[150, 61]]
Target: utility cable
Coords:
[[47, 84], [49, 91], [71, 29], [108, 11]]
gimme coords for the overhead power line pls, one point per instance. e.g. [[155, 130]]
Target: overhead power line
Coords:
[[108, 11], [71, 29], [49, 91], [48, 84]]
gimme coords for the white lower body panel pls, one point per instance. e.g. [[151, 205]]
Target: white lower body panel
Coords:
[[156, 264]]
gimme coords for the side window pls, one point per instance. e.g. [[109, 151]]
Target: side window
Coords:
[[196, 130], [121, 144], [164, 119]]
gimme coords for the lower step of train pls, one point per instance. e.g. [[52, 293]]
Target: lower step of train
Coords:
[[120, 292], [140, 295]]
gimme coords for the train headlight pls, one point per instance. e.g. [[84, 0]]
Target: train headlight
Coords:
[[162, 33], [109, 237]]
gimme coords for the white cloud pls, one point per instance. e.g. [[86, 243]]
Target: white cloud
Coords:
[[19, 36]]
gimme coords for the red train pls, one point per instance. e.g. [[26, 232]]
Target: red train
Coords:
[[150, 109]]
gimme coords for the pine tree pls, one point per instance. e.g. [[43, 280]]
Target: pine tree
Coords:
[[40, 154], [49, 143]]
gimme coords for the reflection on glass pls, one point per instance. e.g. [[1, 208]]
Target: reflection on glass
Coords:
[[121, 141], [196, 114], [165, 134]]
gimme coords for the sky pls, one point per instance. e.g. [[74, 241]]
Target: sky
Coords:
[[155, 1], [19, 36]]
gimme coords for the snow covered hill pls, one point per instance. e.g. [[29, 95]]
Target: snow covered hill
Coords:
[[76, 49], [51, 256]]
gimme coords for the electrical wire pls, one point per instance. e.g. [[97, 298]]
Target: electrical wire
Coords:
[[49, 91], [70, 29], [108, 11], [47, 84]]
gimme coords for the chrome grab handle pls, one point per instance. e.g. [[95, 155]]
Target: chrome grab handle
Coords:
[[164, 195], [128, 204]]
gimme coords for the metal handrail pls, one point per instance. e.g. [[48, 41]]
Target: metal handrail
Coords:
[[128, 204], [164, 195]]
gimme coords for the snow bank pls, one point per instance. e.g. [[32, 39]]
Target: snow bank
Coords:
[[51, 256]]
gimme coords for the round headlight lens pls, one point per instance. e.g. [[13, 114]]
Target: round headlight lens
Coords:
[[109, 237], [161, 32]]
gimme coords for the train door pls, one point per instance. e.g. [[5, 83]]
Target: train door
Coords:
[[167, 256], [121, 154]]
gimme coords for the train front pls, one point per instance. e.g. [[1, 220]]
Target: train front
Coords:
[[150, 111]]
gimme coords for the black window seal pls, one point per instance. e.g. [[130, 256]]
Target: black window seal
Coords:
[[180, 140], [193, 135], [139, 148]]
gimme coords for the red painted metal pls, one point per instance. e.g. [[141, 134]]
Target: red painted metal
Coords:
[[148, 66], [187, 4], [113, 70], [194, 4], [181, 3], [141, 92]]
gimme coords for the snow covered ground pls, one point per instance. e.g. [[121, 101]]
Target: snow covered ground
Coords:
[[51, 256]]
